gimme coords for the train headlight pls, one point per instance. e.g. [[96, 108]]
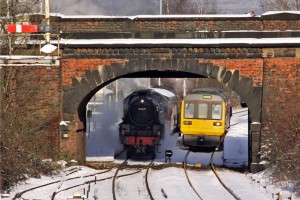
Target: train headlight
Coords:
[[142, 101], [187, 122], [217, 123]]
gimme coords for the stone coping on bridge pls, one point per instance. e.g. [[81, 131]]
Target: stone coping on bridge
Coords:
[[220, 42]]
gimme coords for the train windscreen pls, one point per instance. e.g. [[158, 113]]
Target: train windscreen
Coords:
[[202, 110]]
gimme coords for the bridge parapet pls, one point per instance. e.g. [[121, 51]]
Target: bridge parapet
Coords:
[[268, 25]]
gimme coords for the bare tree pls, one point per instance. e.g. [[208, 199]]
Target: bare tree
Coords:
[[16, 12], [208, 7], [268, 5], [26, 116], [190, 7], [281, 141]]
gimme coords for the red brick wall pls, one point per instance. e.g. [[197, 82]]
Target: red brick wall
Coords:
[[74, 143], [89, 25], [281, 25], [37, 99], [76, 67], [146, 25], [281, 85], [247, 67]]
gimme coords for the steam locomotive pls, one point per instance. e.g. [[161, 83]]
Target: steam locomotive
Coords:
[[145, 114]]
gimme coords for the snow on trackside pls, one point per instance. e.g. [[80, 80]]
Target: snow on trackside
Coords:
[[102, 143]]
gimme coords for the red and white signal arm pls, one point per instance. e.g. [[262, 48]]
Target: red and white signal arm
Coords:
[[22, 28]]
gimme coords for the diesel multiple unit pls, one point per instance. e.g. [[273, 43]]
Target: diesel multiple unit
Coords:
[[205, 117]]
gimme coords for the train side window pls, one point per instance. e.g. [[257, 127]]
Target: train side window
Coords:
[[216, 111], [202, 110], [189, 110]]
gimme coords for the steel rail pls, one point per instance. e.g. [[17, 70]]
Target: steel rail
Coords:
[[91, 181], [19, 194], [115, 176], [187, 177], [220, 180], [146, 180]]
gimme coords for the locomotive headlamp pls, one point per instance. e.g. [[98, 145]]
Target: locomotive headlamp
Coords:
[[142, 100]]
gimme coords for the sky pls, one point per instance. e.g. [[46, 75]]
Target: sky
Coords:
[[103, 143], [141, 7]]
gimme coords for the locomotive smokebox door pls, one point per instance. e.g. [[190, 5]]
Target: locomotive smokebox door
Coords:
[[168, 155]]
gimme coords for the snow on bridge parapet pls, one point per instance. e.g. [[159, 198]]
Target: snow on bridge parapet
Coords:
[[144, 17], [219, 42]]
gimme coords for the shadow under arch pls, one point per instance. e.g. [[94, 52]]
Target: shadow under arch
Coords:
[[81, 109]]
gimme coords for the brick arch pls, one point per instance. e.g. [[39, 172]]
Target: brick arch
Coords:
[[78, 95], [83, 88]]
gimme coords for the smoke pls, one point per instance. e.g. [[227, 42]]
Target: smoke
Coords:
[[129, 85], [102, 138], [181, 85]]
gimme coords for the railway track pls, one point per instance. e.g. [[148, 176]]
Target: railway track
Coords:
[[186, 175], [123, 166], [219, 178], [114, 179], [85, 184], [230, 191], [146, 180], [115, 175], [19, 194]]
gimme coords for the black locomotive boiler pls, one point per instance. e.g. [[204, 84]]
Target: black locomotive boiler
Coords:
[[146, 112]]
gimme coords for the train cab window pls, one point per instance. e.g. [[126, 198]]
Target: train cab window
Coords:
[[202, 110], [189, 110], [216, 111]]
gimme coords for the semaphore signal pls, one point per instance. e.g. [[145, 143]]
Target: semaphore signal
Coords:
[[25, 28], [22, 28]]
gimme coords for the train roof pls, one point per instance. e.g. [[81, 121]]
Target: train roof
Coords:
[[165, 92], [212, 91], [161, 91]]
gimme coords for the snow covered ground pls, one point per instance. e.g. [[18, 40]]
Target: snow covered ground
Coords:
[[168, 183]]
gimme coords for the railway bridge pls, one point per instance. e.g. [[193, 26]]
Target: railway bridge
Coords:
[[257, 57]]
